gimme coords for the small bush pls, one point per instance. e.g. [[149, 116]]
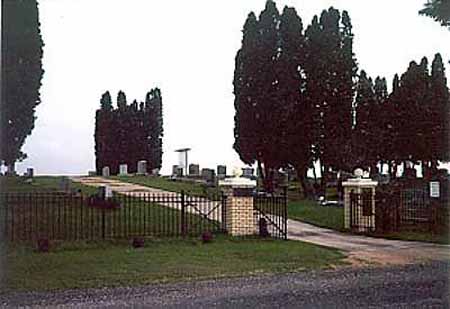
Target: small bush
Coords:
[[207, 237], [43, 245], [138, 242]]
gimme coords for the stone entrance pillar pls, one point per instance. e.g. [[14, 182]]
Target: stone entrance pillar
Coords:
[[359, 185], [240, 219]]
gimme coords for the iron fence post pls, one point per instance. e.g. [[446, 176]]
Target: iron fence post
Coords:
[[285, 189], [183, 214], [103, 223]]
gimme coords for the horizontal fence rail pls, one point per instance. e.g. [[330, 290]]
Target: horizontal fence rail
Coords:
[[63, 216]]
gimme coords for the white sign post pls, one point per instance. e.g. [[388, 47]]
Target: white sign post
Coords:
[[434, 189]]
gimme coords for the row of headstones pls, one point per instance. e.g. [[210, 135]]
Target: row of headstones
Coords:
[[123, 169], [209, 173]]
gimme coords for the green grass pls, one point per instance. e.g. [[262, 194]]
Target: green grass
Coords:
[[39, 184], [198, 189], [160, 261], [310, 212]]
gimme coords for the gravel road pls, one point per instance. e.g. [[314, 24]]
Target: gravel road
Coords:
[[410, 286]]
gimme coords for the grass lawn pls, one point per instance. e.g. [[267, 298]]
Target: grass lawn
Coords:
[[69, 217], [39, 184], [194, 188], [118, 264], [308, 211]]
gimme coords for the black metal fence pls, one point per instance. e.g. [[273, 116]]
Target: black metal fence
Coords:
[[271, 215], [61, 216], [398, 208]]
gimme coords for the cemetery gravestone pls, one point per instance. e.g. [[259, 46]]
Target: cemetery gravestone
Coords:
[[64, 184], [123, 169], [247, 172], [105, 171], [179, 172], [208, 175], [142, 167], [30, 172], [221, 171], [194, 170], [174, 170]]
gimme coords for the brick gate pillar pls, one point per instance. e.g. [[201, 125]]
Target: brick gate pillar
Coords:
[[240, 219]]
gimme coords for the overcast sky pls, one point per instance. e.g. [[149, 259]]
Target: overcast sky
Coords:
[[187, 49]]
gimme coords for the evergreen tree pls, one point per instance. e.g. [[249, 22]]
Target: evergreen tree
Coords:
[[154, 129], [438, 131], [295, 121], [439, 10], [331, 69], [21, 77], [365, 127], [246, 93], [103, 133]]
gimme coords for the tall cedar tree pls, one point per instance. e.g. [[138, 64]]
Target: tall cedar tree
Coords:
[[245, 91], [21, 76], [103, 127], [129, 133], [382, 127], [438, 132], [331, 69], [256, 93], [365, 130], [295, 123], [439, 10], [412, 112]]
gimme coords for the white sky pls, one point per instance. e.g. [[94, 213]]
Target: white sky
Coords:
[[187, 49]]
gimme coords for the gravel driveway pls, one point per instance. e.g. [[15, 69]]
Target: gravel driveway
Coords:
[[411, 286]]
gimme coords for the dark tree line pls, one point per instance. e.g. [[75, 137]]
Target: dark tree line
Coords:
[[21, 77], [299, 100], [129, 133]]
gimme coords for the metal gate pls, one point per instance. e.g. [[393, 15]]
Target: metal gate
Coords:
[[271, 215], [362, 211]]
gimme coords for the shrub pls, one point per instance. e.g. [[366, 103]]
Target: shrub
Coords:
[[43, 245], [138, 242], [207, 237]]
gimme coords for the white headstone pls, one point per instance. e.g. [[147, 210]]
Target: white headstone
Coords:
[[105, 171], [434, 189], [155, 171], [108, 192], [142, 167], [123, 169]]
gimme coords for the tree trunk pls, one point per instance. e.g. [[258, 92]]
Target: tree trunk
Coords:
[[261, 172], [307, 189], [11, 168], [268, 179], [323, 181]]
